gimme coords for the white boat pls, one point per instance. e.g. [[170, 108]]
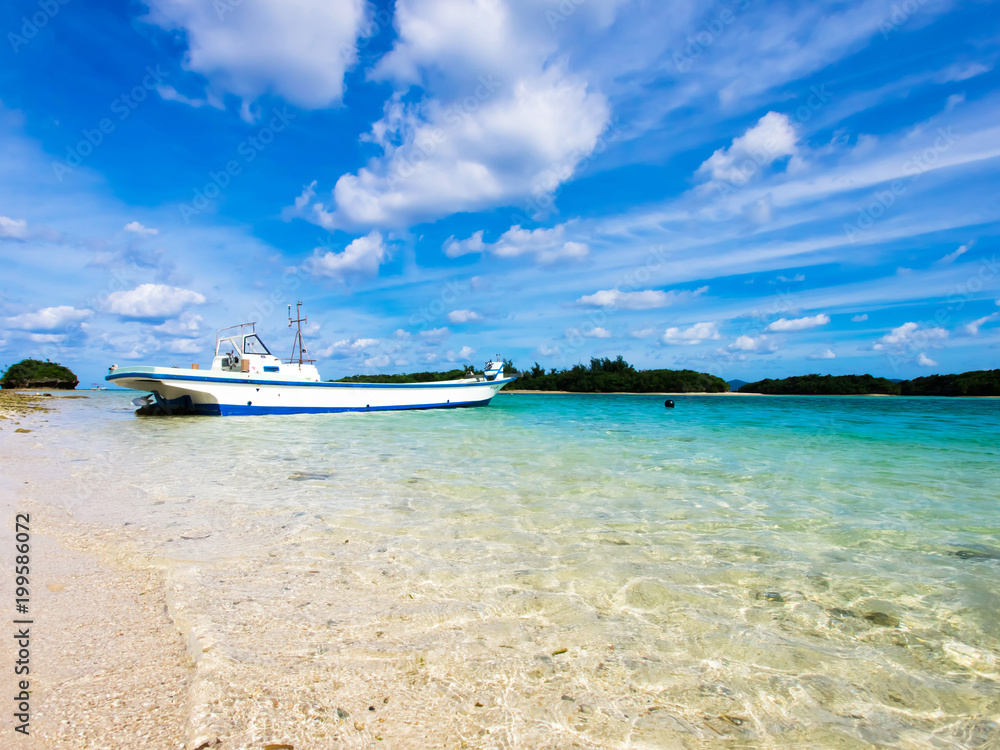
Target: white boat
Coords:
[[245, 378]]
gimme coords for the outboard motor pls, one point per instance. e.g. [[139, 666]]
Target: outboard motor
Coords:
[[493, 370]]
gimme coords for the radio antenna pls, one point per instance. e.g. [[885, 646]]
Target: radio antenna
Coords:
[[298, 343]]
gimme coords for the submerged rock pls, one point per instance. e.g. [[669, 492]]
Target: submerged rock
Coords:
[[882, 620], [770, 596]]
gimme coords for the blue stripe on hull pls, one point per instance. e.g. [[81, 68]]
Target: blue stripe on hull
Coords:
[[170, 377], [233, 410]]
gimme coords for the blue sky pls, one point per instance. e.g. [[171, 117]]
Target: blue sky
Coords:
[[751, 189]]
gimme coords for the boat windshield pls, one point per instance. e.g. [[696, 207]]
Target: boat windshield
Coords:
[[253, 345]]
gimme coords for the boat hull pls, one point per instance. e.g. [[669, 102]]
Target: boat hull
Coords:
[[243, 394]]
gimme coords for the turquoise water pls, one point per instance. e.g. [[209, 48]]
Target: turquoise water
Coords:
[[592, 571]]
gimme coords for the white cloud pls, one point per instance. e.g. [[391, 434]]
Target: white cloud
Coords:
[[799, 324], [547, 351], [973, 328], [643, 333], [187, 325], [860, 318], [364, 343], [378, 361], [910, 336], [647, 299], [588, 333], [924, 361], [463, 355], [824, 354], [48, 338], [401, 334], [464, 316], [951, 257], [296, 49], [49, 319], [14, 229], [184, 346], [434, 334], [762, 343], [694, 334], [789, 279], [137, 228], [545, 245], [772, 138], [152, 301], [502, 117], [362, 257]]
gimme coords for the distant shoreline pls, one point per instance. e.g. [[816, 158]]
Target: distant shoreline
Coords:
[[737, 393], [644, 393]]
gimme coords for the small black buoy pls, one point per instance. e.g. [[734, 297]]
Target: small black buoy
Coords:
[[669, 404]]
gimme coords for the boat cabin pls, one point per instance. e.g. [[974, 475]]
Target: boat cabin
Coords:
[[239, 349]]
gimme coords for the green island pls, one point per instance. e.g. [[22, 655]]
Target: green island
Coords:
[[601, 376], [973, 383], [33, 373], [618, 376]]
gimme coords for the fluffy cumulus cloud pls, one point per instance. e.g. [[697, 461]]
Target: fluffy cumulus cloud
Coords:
[[647, 299], [860, 318], [361, 258], [136, 228], [772, 138], [464, 316], [295, 49], [502, 118], [762, 344], [13, 229], [49, 319], [152, 301], [910, 342], [694, 334], [543, 245], [799, 324]]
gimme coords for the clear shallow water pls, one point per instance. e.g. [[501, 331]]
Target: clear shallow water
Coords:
[[592, 571]]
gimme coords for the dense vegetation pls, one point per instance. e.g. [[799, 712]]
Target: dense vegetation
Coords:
[[617, 375], [973, 383], [412, 377], [823, 385], [33, 373]]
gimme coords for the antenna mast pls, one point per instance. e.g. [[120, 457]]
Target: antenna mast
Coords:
[[298, 343]]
